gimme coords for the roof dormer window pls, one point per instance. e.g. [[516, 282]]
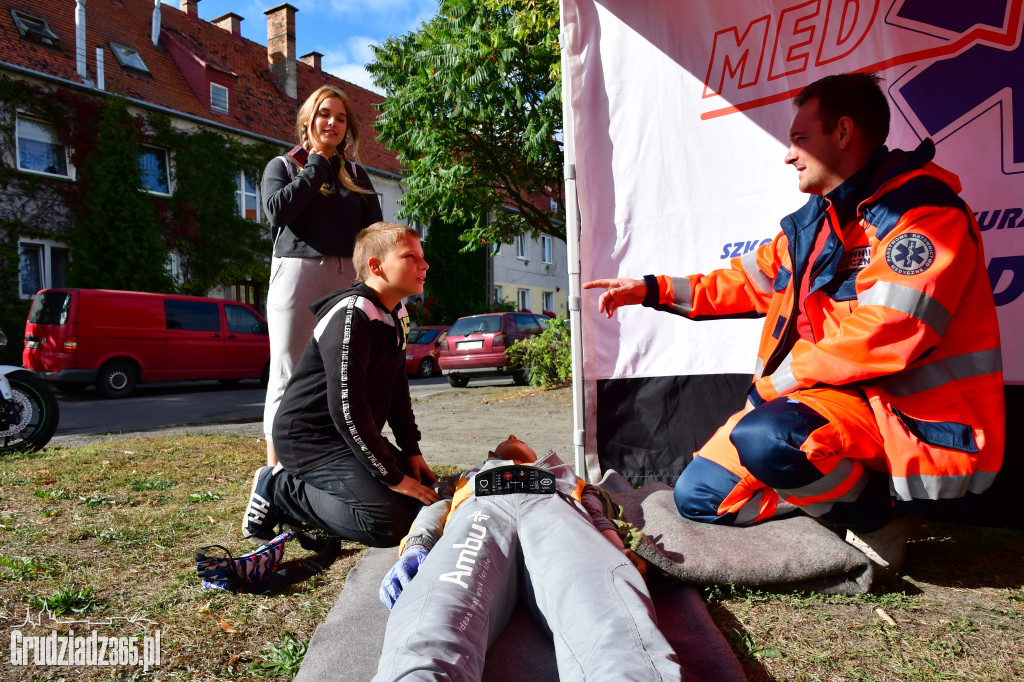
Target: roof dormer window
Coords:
[[219, 98], [35, 28], [128, 57]]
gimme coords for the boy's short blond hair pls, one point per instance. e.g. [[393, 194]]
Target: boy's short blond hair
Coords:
[[376, 241]]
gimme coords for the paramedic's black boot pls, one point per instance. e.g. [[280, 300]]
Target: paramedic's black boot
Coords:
[[260, 515]]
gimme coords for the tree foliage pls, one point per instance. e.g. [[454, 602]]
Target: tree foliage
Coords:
[[118, 241], [474, 111], [216, 244], [548, 355], [121, 235]]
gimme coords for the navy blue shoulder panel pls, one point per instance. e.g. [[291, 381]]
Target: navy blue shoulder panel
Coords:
[[806, 216], [923, 190]]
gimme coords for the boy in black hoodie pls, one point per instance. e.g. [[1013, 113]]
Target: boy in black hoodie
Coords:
[[337, 472]]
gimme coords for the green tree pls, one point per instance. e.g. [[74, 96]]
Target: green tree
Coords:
[[118, 240], [217, 245], [474, 111]]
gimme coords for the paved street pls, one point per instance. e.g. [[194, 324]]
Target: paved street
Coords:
[[196, 406]]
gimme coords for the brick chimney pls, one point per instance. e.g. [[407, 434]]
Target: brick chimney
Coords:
[[230, 22], [313, 59], [190, 7], [281, 46]]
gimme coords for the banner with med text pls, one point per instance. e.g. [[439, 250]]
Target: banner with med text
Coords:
[[681, 113]]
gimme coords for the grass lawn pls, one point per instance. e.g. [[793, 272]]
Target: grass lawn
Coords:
[[102, 537]]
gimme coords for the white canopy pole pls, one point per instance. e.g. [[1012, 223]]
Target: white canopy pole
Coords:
[[572, 239]]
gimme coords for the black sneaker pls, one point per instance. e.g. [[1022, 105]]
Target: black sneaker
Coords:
[[260, 516]]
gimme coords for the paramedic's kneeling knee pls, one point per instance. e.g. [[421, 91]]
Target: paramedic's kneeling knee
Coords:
[[700, 490], [768, 441]]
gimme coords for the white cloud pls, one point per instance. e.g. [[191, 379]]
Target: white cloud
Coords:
[[349, 60]]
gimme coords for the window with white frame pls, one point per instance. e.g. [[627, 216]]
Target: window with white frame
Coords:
[[545, 246], [522, 246], [42, 264], [173, 266], [219, 98], [549, 301], [499, 293], [523, 299], [153, 167], [40, 150], [247, 195]]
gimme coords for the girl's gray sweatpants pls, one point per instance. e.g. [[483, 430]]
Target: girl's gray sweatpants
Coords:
[[295, 283]]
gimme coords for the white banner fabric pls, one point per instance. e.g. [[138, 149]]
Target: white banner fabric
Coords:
[[681, 114]]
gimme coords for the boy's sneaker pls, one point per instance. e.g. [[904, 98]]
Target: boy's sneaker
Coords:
[[260, 516]]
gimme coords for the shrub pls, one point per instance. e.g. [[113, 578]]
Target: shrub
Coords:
[[548, 355]]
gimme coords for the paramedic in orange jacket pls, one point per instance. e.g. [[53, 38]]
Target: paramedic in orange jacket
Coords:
[[878, 387]]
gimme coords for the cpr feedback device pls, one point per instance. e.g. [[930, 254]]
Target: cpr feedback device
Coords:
[[509, 480]]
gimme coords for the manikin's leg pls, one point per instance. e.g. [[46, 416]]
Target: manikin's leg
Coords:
[[590, 596], [460, 600]]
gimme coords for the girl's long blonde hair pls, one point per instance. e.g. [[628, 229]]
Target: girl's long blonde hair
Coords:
[[305, 116]]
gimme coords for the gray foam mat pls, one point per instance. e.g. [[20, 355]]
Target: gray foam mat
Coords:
[[348, 643]]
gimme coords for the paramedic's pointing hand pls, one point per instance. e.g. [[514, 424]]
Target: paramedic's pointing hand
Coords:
[[619, 292]]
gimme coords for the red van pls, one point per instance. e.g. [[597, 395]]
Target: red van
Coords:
[[114, 339]]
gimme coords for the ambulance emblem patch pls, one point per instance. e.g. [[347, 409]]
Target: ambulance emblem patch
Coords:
[[910, 254]]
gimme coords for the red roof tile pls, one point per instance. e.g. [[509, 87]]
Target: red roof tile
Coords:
[[257, 103]]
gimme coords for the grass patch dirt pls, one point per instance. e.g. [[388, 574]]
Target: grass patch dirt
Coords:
[[108, 532], [956, 612]]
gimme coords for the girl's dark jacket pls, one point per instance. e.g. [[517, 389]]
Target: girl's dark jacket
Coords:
[[308, 224]]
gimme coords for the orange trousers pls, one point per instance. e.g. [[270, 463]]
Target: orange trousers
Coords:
[[817, 450]]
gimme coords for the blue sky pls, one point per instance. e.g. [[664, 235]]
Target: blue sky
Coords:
[[341, 30]]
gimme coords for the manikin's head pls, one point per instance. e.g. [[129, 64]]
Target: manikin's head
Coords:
[[516, 450]]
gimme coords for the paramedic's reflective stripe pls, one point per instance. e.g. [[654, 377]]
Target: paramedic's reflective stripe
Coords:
[[915, 303], [750, 510], [831, 481], [749, 263], [783, 379], [681, 296], [922, 487], [942, 372]]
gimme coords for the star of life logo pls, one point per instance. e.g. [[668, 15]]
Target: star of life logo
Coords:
[[910, 254], [83, 647], [469, 551]]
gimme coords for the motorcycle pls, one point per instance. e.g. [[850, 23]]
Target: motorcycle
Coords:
[[28, 410]]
